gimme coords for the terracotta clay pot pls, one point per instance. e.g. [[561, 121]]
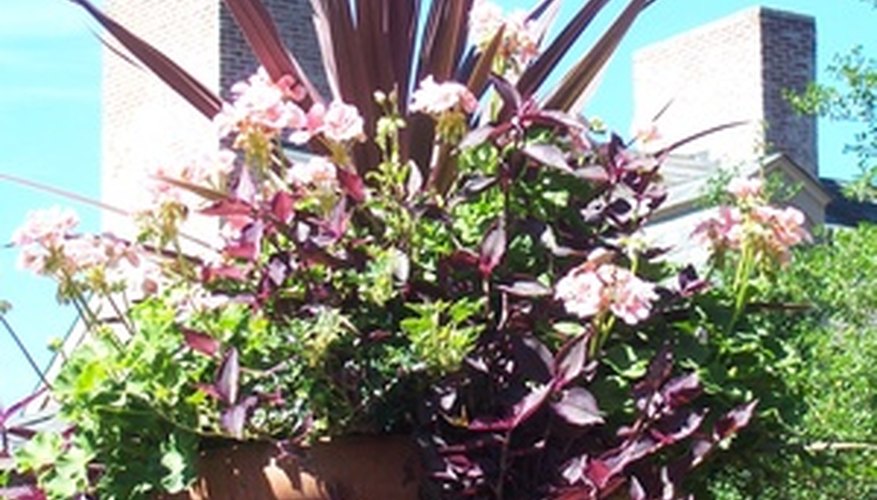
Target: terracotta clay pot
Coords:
[[350, 468]]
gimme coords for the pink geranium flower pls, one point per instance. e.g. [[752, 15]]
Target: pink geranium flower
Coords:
[[436, 98], [263, 104], [47, 227], [520, 41], [744, 188], [317, 172], [782, 229], [722, 231], [341, 122], [597, 287]]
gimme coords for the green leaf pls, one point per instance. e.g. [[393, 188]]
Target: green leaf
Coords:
[[177, 460], [41, 451]]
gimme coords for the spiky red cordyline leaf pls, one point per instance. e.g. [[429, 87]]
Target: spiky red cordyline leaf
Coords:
[[261, 33], [441, 51], [182, 82], [539, 70], [582, 75], [481, 73]]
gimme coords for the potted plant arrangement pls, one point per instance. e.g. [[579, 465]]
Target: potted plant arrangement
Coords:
[[458, 267]]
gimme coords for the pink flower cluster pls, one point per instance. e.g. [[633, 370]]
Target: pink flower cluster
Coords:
[[437, 98], [746, 188], [43, 232], [211, 169], [769, 229], [597, 287], [48, 245], [263, 104], [782, 229], [317, 172], [520, 41], [722, 231], [271, 107], [340, 122]]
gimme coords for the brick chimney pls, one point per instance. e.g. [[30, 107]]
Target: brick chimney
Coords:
[[144, 123], [732, 69]]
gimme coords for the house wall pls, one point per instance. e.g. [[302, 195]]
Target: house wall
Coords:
[[732, 69], [144, 123]]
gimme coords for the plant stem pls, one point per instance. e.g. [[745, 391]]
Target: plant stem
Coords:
[[27, 355], [741, 285], [841, 446], [503, 463]]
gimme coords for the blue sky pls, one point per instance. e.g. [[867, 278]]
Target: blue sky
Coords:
[[49, 125]]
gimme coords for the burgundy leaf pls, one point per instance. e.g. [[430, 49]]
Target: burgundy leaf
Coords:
[[228, 379], [352, 184], [578, 407], [22, 432], [735, 420], [260, 31], [678, 426], [477, 185], [200, 342], [443, 39], [277, 270], [246, 188], [612, 464], [182, 82], [526, 288], [462, 258], [23, 492], [228, 207], [539, 70], [681, 390], [571, 360], [690, 283], [636, 491], [555, 118], [481, 73], [477, 137], [548, 155], [699, 450], [234, 418], [246, 251], [593, 173], [573, 470], [510, 96], [281, 206], [520, 412], [338, 221], [645, 390], [493, 248], [225, 271], [533, 359]]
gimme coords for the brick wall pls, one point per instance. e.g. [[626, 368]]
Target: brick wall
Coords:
[[146, 124], [728, 70], [789, 52]]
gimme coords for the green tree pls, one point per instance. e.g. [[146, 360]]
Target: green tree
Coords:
[[852, 98], [830, 450]]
